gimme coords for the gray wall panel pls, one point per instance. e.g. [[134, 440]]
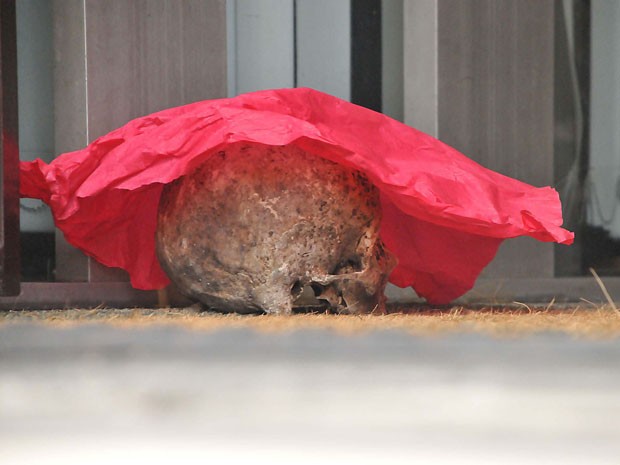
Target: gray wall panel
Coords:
[[147, 55], [120, 59], [481, 73], [496, 84]]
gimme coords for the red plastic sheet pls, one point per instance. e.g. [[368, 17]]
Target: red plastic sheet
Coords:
[[444, 215]]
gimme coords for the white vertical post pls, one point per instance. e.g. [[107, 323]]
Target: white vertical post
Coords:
[[420, 65], [261, 50], [35, 62], [324, 46]]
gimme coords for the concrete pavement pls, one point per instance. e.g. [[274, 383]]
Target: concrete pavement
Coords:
[[96, 394]]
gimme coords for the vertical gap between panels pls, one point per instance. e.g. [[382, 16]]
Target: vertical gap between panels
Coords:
[[366, 56]]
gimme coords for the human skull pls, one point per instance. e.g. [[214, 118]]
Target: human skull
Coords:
[[254, 225]]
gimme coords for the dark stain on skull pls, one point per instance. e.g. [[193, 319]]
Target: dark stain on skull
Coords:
[[252, 227]]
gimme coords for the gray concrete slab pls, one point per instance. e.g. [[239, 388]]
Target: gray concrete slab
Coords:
[[96, 394]]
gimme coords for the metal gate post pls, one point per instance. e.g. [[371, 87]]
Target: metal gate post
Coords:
[[9, 154]]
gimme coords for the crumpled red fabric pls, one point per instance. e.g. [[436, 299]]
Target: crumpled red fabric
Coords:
[[444, 216]]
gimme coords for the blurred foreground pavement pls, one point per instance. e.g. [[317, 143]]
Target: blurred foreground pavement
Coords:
[[100, 395]]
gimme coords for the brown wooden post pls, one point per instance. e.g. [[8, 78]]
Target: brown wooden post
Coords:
[[9, 153]]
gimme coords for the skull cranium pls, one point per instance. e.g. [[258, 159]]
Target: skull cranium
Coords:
[[253, 226]]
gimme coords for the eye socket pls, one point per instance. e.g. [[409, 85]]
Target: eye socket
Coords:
[[317, 289], [350, 265], [297, 288]]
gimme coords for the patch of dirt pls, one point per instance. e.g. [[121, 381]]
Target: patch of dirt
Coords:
[[596, 322]]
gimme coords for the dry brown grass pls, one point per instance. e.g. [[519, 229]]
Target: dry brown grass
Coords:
[[515, 321]]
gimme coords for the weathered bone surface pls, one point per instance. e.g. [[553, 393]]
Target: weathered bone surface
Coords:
[[254, 225]]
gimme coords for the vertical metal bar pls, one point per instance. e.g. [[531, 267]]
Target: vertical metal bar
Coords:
[[9, 154]]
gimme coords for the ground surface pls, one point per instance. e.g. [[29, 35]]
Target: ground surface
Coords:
[[586, 321], [521, 386]]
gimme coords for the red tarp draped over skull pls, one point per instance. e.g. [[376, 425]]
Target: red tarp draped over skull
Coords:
[[444, 216]]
